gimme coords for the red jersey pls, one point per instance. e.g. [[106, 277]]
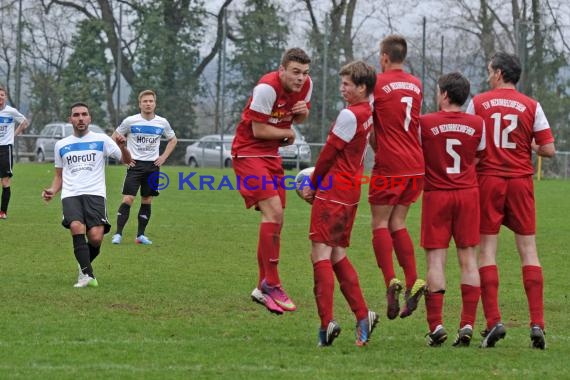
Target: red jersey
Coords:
[[349, 135], [512, 121], [450, 142], [397, 106], [269, 104]]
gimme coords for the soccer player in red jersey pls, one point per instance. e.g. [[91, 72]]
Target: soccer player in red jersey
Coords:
[[516, 126], [399, 163], [279, 99], [450, 204], [334, 206]]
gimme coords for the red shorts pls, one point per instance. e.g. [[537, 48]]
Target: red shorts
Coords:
[[331, 223], [507, 201], [447, 213], [396, 190], [259, 178]]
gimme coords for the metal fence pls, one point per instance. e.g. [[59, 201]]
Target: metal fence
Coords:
[[25, 151]]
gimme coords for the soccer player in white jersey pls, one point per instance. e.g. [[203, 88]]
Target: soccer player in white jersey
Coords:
[[9, 116], [80, 175], [143, 132], [515, 127]]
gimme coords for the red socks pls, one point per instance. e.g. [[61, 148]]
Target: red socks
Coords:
[[489, 294], [404, 248], [350, 287], [382, 243], [470, 298], [268, 252], [533, 286], [434, 309], [324, 290]]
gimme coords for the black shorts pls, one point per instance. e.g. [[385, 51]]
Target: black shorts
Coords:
[[6, 161], [90, 210], [138, 176]]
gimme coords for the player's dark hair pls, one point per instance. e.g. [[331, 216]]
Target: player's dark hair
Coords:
[[509, 64], [395, 47], [295, 55], [456, 86], [78, 104], [360, 73], [2, 88]]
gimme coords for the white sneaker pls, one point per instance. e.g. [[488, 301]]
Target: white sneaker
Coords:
[[141, 239], [257, 296], [117, 239], [86, 281], [81, 275]]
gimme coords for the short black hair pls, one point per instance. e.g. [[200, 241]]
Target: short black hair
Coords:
[[78, 104], [509, 64], [456, 86]]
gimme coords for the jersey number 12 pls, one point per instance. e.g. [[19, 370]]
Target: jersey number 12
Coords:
[[501, 138]]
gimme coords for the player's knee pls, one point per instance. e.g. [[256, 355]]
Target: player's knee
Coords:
[[77, 228], [95, 241]]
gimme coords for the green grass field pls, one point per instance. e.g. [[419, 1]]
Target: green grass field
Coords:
[[181, 309]]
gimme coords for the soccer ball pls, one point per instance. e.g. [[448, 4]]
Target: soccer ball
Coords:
[[302, 179]]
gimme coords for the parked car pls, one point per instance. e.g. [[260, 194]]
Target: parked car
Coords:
[[206, 152], [299, 151], [50, 134]]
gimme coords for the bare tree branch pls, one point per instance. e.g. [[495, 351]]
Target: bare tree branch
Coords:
[[219, 37], [557, 26], [314, 23]]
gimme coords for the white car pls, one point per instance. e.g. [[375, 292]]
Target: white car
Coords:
[[206, 152], [50, 134]]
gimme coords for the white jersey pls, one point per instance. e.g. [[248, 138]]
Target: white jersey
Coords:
[[143, 136], [8, 118], [83, 163]]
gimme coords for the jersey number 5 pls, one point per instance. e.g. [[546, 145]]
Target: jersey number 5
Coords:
[[456, 168], [501, 138]]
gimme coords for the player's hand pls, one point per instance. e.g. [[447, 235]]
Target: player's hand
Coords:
[[120, 139], [47, 195], [308, 194], [300, 108], [289, 139], [159, 161]]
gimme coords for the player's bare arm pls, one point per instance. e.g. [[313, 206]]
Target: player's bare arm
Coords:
[[119, 138], [301, 112], [50, 192], [167, 151], [126, 157], [546, 150], [22, 127], [268, 132]]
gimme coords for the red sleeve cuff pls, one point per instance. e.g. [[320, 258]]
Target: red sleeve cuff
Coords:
[[543, 137]]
